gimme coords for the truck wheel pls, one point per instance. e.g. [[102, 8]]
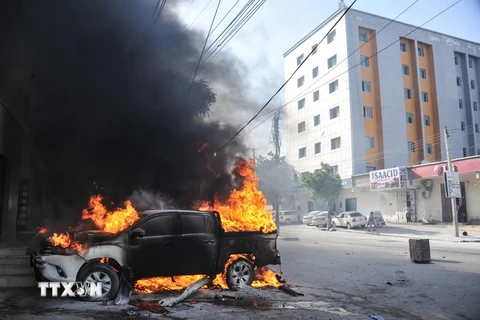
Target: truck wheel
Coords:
[[288, 221], [239, 274], [101, 273]]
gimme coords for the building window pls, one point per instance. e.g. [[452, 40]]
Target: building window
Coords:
[[334, 112], [331, 36], [367, 112], [411, 146], [409, 117], [459, 82], [332, 61], [424, 96], [429, 148], [472, 84], [302, 152], [366, 86], [460, 104], [403, 46], [335, 143], [426, 119], [363, 36], [423, 73], [334, 170], [405, 69], [364, 61], [301, 126], [475, 107], [318, 147], [333, 86], [421, 53], [299, 59], [456, 60], [301, 103], [477, 129], [316, 120], [470, 63], [315, 72], [314, 48], [462, 125], [407, 93], [316, 95], [371, 168], [464, 152], [369, 142], [300, 81]]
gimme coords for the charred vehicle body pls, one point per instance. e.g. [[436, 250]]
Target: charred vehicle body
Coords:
[[163, 243]]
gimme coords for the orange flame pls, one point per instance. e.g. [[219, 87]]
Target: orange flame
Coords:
[[65, 241], [42, 230], [113, 222], [264, 277], [245, 209]]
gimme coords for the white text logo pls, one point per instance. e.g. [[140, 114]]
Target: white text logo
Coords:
[[71, 289]]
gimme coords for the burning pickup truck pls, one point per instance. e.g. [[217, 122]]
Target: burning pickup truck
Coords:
[[162, 243]]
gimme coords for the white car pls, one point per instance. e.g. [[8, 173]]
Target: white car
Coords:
[[349, 219]]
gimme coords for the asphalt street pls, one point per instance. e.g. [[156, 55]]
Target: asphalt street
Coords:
[[343, 275]]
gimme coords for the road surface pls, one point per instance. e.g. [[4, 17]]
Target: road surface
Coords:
[[343, 275]]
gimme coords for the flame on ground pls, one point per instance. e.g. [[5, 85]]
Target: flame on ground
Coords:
[[264, 277], [115, 221], [245, 209]]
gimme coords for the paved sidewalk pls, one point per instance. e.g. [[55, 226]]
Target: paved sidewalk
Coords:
[[432, 232]]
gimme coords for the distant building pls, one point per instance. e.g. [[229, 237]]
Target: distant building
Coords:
[[386, 111]]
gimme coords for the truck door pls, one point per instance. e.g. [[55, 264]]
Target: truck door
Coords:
[[199, 244], [154, 254]]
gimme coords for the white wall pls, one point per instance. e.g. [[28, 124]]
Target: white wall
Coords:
[[328, 129]]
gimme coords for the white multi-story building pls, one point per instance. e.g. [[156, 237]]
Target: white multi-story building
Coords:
[[358, 111]]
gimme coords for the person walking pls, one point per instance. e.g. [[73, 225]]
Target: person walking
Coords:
[[371, 222]]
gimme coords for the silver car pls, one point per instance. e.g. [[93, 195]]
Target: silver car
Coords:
[[309, 217], [320, 220]]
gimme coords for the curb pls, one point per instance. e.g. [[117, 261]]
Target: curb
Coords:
[[412, 236]]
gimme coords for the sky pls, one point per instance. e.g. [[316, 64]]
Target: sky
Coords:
[[279, 24]]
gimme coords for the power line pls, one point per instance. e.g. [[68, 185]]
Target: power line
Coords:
[[376, 53], [201, 55], [291, 76], [199, 14], [158, 10]]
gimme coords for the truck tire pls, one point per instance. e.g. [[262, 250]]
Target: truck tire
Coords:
[[288, 221], [239, 274], [100, 272]]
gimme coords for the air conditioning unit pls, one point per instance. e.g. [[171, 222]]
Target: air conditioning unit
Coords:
[[427, 183], [425, 194]]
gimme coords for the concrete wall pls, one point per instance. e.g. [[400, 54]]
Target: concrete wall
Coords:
[[328, 128]]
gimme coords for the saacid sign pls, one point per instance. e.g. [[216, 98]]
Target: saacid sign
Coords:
[[388, 179]]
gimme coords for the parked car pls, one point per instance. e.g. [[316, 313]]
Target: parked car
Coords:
[[287, 216], [163, 243], [309, 217], [349, 219], [320, 220]]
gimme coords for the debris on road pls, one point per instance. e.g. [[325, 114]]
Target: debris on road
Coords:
[[191, 289], [375, 316], [389, 283], [290, 291]]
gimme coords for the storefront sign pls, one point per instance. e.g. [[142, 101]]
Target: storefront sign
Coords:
[[388, 179], [452, 185]]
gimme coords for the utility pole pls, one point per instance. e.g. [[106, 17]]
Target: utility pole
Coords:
[[276, 141], [451, 169], [254, 159]]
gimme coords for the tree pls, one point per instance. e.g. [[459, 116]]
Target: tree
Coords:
[[324, 184], [266, 169]]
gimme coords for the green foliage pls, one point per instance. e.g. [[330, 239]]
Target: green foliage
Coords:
[[323, 184], [272, 179]]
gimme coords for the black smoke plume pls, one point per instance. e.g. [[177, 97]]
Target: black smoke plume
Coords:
[[107, 105]]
